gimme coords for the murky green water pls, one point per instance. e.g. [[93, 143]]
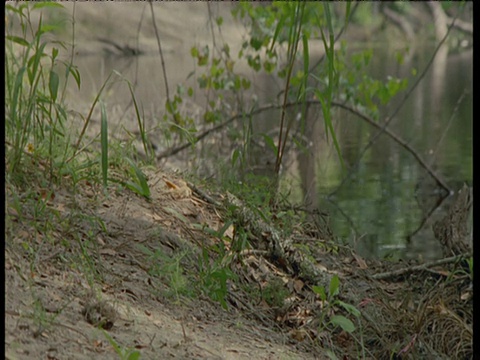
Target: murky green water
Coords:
[[386, 203]]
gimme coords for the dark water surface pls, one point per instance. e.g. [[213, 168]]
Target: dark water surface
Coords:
[[384, 202], [387, 203]]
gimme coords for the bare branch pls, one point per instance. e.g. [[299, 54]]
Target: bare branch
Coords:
[[420, 267]]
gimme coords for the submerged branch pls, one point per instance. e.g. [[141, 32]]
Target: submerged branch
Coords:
[[399, 141]]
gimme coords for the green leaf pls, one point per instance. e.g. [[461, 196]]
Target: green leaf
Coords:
[[48, 28], [194, 52], [306, 62], [135, 355], [278, 28], [235, 156], [320, 290], [269, 66], [334, 286], [104, 143], [54, 53], [347, 14], [224, 228], [343, 322], [141, 185], [14, 9], [256, 43], [53, 85], [75, 73], [17, 92], [18, 40], [33, 63], [350, 308], [271, 144], [47, 4], [177, 215], [254, 62]]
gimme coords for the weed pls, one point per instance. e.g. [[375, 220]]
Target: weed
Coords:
[[169, 269], [213, 277], [470, 268], [139, 184], [275, 293], [122, 352], [330, 301], [34, 115]]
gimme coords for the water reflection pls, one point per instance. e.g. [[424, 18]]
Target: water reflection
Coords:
[[386, 205]]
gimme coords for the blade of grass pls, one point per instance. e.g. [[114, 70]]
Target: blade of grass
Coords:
[[141, 180], [104, 143], [141, 126], [326, 97], [87, 120]]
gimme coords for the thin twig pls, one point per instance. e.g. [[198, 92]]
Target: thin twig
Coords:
[[449, 123], [161, 54], [401, 142], [283, 141]]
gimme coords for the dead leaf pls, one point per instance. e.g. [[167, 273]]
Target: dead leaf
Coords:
[[170, 184], [230, 232], [47, 195], [182, 192], [321, 268], [13, 212], [97, 344], [466, 295], [179, 191], [298, 335], [298, 285], [361, 263], [100, 241]]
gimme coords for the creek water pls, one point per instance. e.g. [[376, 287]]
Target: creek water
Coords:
[[387, 203], [383, 202]]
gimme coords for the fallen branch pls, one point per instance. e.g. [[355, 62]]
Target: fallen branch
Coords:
[[421, 267], [279, 248], [176, 150]]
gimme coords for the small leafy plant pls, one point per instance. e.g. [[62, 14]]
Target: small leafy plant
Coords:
[[330, 301], [214, 276], [169, 269], [122, 352]]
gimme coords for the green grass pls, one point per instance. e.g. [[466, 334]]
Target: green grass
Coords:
[[43, 153]]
